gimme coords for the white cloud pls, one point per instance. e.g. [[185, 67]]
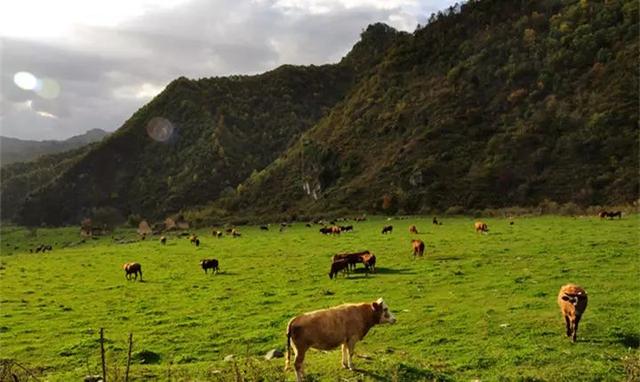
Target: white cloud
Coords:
[[46, 115], [107, 59]]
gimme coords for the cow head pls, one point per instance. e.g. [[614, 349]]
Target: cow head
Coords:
[[385, 314], [570, 299]]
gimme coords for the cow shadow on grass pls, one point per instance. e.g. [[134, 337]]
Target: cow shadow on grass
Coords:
[[403, 372], [394, 271], [223, 273], [360, 273]]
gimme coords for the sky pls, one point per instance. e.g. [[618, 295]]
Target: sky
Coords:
[[68, 66]]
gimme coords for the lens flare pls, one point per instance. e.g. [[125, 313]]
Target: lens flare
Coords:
[[160, 129], [48, 88], [25, 80]]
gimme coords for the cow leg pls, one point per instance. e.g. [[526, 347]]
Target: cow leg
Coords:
[[575, 328], [568, 322], [351, 344], [344, 356], [300, 352]]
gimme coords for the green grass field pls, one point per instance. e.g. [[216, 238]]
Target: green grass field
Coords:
[[476, 307]]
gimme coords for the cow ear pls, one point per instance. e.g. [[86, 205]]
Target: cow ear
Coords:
[[566, 298], [375, 306]]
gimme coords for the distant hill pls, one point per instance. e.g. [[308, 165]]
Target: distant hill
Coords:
[[18, 150], [491, 104]]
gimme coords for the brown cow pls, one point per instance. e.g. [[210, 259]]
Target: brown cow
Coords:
[[163, 240], [337, 266], [413, 230], [235, 233], [573, 302], [481, 227], [369, 262], [132, 268], [418, 247], [603, 214], [329, 328], [351, 258]]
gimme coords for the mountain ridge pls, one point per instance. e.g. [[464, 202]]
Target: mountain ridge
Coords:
[[23, 150]]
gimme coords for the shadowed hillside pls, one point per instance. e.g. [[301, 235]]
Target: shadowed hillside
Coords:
[[493, 104], [199, 139]]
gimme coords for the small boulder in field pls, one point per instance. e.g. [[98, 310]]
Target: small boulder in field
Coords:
[[273, 353]]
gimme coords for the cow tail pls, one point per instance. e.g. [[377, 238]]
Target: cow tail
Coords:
[[288, 359]]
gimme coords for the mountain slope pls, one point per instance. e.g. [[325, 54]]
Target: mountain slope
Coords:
[[493, 104], [199, 139], [18, 150]]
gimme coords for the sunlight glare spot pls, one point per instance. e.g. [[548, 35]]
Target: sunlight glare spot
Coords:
[[25, 80]]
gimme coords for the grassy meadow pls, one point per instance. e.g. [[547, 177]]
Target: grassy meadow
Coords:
[[475, 307]]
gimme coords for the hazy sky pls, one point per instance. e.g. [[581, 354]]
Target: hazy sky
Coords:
[[91, 64]]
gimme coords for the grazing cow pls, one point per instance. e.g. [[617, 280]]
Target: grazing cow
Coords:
[[418, 247], [337, 266], [235, 233], [347, 228], [369, 262], [308, 225], [264, 228], [481, 227], [325, 230], [209, 264], [351, 258], [573, 302], [132, 269], [413, 230], [217, 234], [329, 328], [163, 240], [435, 220], [388, 228], [229, 230], [613, 214], [603, 214]]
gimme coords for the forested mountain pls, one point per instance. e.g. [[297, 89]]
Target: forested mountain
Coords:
[[491, 104], [199, 139], [19, 150]]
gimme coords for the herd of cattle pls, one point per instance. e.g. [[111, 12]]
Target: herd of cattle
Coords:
[[347, 324]]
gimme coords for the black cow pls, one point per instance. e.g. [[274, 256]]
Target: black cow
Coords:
[[209, 264]]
